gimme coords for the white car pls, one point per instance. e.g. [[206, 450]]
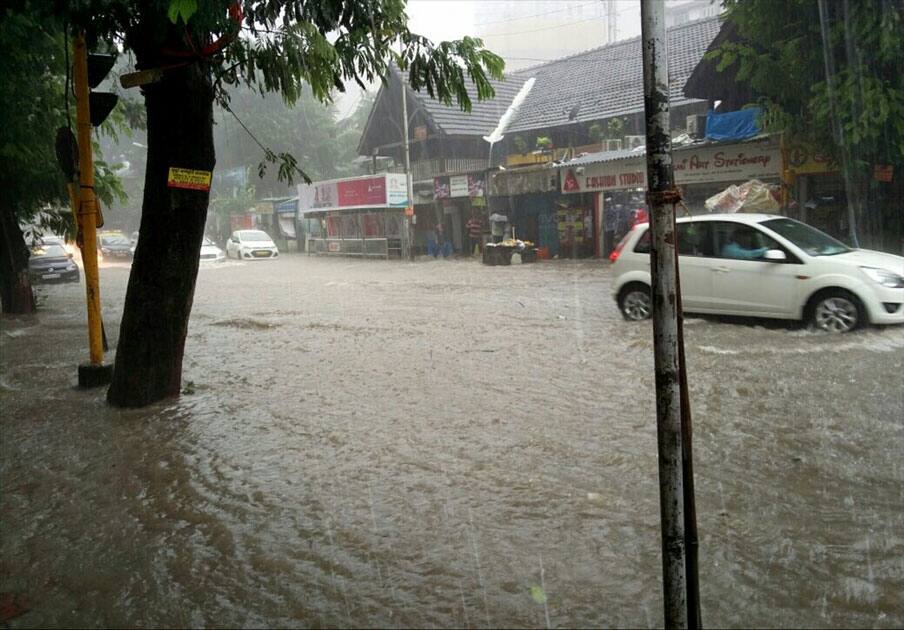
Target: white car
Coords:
[[251, 245], [762, 265], [211, 253]]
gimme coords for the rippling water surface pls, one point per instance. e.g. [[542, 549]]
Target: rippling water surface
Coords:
[[383, 444]]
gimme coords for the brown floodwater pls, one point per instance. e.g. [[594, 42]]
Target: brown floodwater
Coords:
[[386, 444]]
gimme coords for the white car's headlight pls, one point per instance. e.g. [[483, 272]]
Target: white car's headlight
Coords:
[[884, 277]]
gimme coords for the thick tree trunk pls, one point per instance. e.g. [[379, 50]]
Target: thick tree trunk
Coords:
[[149, 353], [15, 285]]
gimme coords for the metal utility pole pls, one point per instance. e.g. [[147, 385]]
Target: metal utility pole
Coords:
[[409, 210], [680, 599], [93, 373]]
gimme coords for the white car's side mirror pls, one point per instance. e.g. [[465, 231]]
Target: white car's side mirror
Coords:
[[775, 255]]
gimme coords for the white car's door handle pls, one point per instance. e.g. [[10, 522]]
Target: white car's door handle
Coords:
[[721, 269]]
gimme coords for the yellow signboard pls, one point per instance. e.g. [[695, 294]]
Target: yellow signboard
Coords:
[[188, 178], [801, 160]]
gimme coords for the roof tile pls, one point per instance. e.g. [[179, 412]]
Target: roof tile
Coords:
[[605, 82]]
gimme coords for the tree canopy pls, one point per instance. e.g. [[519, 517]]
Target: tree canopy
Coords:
[[830, 75], [806, 66]]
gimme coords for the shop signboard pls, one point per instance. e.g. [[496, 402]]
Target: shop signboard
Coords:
[[737, 162], [475, 185], [440, 187], [362, 192], [396, 190], [379, 191], [884, 173], [458, 186], [803, 160], [603, 176], [455, 186], [714, 163], [241, 221], [290, 206], [326, 195]]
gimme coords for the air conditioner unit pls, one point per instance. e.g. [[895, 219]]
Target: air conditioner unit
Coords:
[[613, 145], [696, 126], [632, 142]]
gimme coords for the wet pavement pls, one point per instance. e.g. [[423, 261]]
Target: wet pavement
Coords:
[[388, 444]]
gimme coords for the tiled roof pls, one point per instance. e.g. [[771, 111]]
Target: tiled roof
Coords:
[[484, 115], [605, 82]]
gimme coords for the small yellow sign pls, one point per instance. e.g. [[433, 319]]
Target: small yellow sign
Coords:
[[188, 178]]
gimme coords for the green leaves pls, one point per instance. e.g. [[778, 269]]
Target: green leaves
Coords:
[[181, 10], [287, 165], [782, 57]]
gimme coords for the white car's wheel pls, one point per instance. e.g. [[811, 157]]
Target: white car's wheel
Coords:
[[635, 302], [836, 311]]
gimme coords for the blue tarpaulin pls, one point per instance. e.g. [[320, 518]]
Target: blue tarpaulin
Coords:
[[733, 125]]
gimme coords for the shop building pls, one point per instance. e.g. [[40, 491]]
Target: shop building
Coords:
[[583, 103], [448, 155], [613, 183], [814, 187], [575, 113]]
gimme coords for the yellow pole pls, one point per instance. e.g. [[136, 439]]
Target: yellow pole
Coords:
[[87, 207]]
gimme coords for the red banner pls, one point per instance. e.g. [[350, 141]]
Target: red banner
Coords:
[[362, 192]]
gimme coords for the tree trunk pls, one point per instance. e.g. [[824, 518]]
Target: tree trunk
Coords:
[[149, 353], [15, 285]]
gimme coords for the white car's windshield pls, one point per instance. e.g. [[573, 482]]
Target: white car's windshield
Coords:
[[48, 251], [114, 240], [809, 239], [253, 235], [207, 241]]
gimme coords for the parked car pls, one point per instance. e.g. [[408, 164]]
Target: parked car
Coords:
[[210, 252], [53, 239], [51, 263], [765, 266], [114, 246], [250, 245]]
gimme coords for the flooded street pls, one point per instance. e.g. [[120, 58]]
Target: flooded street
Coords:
[[386, 444]]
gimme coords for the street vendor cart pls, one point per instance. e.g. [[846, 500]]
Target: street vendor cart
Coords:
[[501, 253]]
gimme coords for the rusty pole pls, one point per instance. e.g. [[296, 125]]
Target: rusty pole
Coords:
[[95, 372], [661, 198]]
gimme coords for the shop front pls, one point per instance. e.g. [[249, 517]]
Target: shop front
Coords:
[[285, 215], [455, 199], [701, 171], [529, 197], [360, 216]]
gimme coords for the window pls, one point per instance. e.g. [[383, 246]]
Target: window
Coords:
[[695, 239], [740, 242], [807, 238], [643, 243]]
